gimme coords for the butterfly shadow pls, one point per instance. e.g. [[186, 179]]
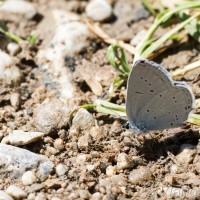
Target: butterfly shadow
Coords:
[[160, 145]]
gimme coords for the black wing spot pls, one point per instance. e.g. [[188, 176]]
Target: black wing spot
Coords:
[[154, 117], [175, 101], [160, 95], [151, 90], [171, 124], [145, 80], [147, 110], [141, 78], [173, 97], [149, 84]]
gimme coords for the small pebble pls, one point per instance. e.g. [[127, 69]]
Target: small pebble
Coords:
[[59, 144], [99, 10], [139, 175], [29, 178], [5, 196], [84, 141], [83, 119], [111, 170], [61, 169], [16, 192], [123, 161], [15, 100], [13, 48], [52, 150], [84, 194]]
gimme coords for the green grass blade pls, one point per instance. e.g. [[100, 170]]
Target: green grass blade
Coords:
[[160, 41]]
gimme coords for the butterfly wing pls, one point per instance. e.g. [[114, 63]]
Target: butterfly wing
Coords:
[[150, 98]]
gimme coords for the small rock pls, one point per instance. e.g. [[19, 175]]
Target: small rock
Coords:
[[83, 119], [45, 170], [15, 100], [16, 192], [52, 150], [55, 198], [96, 196], [29, 178], [116, 180], [53, 183], [35, 188], [5, 196], [9, 74], [13, 48], [19, 137], [84, 194], [82, 158], [111, 170], [90, 167], [139, 175], [186, 155], [59, 144], [31, 196], [123, 161], [84, 141], [61, 169], [16, 161], [51, 116], [21, 7], [99, 10]]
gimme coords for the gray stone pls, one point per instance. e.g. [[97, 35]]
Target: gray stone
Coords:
[[35, 188], [5, 196], [13, 48], [15, 100], [45, 169], [19, 137], [99, 10], [84, 141], [16, 161], [83, 119], [51, 116], [84, 194]]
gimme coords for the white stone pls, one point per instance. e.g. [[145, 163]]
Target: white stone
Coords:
[[123, 161], [29, 178], [82, 158], [83, 119], [5, 196], [16, 192], [19, 137], [111, 170], [13, 48], [99, 10], [16, 161], [15, 99], [61, 169], [18, 7], [9, 73]]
